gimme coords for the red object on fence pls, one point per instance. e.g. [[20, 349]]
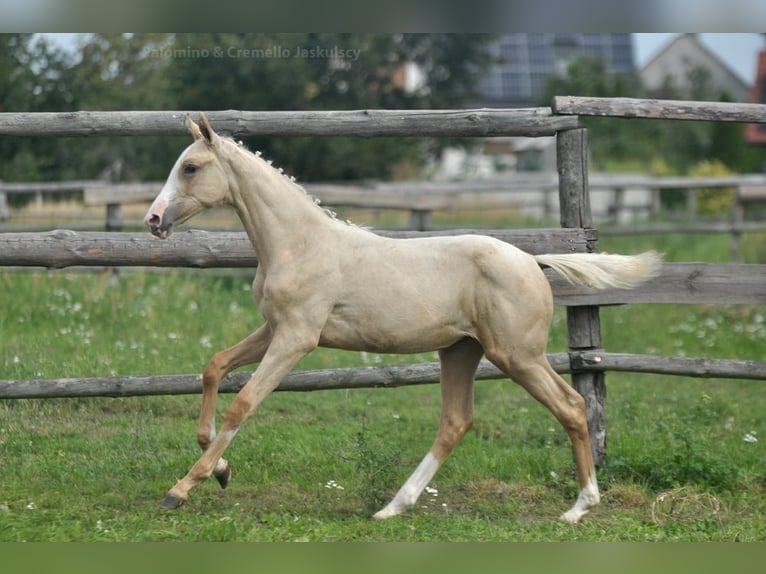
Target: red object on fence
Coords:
[[756, 133]]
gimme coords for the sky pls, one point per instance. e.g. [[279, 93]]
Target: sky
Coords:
[[739, 51]]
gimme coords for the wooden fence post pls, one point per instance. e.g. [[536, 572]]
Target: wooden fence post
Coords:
[[420, 219], [618, 204], [114, 220], [737, 220], [4, 213], [115, 173], [583, 322]]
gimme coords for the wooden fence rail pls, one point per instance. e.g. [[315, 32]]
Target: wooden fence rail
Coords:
[[422, 198], [678, 282], [104, 192], [65, 248], [390, 376], [659, 109], [239, 123]]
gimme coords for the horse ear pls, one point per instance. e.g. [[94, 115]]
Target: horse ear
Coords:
[[211, 138], [193, 128]]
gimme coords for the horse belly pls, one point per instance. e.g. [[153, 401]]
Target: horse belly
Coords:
[[396, 328]]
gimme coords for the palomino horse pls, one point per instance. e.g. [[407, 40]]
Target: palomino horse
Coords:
[[323, 282]]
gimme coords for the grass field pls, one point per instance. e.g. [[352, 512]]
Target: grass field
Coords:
[[686, 457]]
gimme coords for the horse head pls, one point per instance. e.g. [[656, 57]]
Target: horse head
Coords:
[[197, 181]]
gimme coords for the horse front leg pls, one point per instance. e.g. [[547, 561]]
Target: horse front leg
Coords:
[[249, 350], [286, 349]]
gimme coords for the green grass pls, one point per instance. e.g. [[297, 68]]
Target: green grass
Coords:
[[682, 464]]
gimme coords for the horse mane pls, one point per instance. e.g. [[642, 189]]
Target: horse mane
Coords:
[[291, 180]]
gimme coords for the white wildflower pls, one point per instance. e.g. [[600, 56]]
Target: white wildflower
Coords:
[[750, 437], [100, 526], [334, 485]]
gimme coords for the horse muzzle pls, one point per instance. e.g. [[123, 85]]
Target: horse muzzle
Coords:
[[157, 226]]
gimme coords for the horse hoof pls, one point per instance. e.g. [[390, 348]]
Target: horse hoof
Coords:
[[223, 477], [171, 502]]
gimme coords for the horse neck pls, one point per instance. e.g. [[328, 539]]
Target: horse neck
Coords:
[[275, 212]]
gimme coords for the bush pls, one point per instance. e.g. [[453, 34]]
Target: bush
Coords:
[[713, 200]]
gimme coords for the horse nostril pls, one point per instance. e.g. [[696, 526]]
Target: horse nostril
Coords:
[[153, 220]]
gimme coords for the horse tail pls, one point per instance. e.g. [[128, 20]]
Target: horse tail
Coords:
[[603, 270]]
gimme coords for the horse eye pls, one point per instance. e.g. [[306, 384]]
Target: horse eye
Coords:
[[190, 169]]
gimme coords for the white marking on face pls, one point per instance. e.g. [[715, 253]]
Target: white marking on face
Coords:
[[166, 195]]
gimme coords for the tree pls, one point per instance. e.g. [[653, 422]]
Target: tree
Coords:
[[115, 72], [31, 80], [241, 71], [327, 71], [675, 144], [609, 139]]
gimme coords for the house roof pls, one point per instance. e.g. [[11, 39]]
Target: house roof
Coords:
[[731, 77]]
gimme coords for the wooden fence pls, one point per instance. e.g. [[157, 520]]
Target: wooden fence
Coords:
[[586, 360], [536, 191]]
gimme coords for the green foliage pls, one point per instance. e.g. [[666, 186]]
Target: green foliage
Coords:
[[231, 71], [375, 463], [678, 144], [713, 201], [680, 454]]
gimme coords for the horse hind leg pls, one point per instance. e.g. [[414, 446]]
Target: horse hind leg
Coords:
[[539, 379], [458, 367]]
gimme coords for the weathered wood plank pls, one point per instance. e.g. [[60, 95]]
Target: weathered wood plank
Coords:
[[47, 186], [375, 377], [659, 109], [683, 366], [572, 166], [751, 193], [678, 282], [313, 380], [435, 123], [402, 195], [583, 323], [663, 228], [63, 248], [688, 283], [751, 185]]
